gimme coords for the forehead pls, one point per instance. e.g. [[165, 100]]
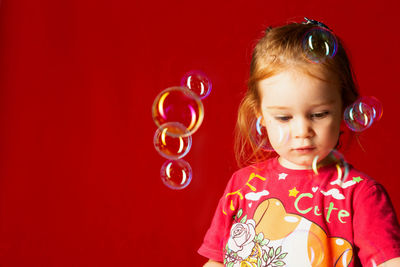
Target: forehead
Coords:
[[292, 87]]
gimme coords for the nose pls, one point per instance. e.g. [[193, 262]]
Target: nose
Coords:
[[301, 128]]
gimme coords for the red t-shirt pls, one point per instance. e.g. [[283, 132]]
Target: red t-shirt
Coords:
[[273, 216]]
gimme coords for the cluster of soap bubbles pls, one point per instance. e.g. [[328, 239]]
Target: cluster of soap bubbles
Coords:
[[319, 44], [178, 113], [362, 113], [358, 117]]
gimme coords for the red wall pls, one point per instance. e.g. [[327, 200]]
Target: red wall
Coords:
[[79, 177]]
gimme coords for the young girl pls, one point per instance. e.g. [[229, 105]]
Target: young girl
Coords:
[[298, 206]]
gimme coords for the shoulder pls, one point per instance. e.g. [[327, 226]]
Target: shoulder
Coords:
[[242, 176], [365, 184], [361, 178], [257, 168]]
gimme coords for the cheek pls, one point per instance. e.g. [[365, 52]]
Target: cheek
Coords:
[[269, 126], [277, 134], [337, 123], [331, 132]]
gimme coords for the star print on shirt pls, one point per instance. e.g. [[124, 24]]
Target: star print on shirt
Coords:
[[293, 192], [282, 176], [357, 179]]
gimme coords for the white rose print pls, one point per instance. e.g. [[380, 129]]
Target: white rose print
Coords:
[[241, 238], [246, 248]]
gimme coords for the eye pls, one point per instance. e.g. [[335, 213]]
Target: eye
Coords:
[[319, 115], [283, 118]]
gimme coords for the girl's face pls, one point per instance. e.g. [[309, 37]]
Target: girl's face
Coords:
[[302, 115]]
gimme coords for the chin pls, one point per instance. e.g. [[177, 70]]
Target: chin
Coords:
[[299, 164], [305, 163]]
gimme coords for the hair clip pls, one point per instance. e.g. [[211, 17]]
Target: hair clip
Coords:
[[314, 22], [268, 29]]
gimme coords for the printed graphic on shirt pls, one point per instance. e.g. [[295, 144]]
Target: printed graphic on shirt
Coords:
[[233, 198], [245, 248], [239, 194], [276, 238]]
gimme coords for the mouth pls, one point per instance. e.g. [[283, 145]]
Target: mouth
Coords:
[[303, 150]]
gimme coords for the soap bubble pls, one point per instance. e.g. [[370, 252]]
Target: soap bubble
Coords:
[[362, 113], [372, 263], [259, 136], [374, 104], [178, 104], [197, 82], [319, 44], [378, 255], [358, 117], [169, 146], [176, 174], [341, 166]]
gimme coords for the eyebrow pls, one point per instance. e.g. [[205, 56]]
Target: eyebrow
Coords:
[[313, 106], [276, 107]]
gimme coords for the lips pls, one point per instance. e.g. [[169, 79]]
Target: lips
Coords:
[[305, 149]]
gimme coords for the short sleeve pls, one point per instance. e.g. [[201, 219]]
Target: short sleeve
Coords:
[[212, 246], [376, 229]]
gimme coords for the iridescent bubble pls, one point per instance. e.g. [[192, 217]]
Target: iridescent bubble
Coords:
[[259, 136], [342, 167], [319, 44], [362, 113], [178, 104], [374, 104], [197, 82], [176, 174], [373, 263], [378, 255], [169, 146]]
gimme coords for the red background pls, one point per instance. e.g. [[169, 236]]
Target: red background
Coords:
[[79, 176]]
